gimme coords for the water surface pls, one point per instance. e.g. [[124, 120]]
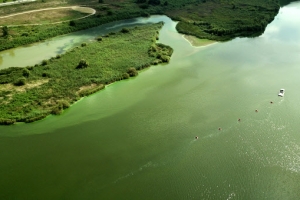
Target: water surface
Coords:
[[135, 139]]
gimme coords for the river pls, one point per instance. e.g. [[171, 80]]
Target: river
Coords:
[[136, 138]]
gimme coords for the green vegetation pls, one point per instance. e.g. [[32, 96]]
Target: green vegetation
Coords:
[[208, 19], [32, 93], [224, 20]]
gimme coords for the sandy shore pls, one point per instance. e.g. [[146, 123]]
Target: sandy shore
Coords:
[[196, 42]]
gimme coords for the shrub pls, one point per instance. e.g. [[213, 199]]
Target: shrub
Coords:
[[83, 44], [20, 82], [132, 72], [125, 30], [26, 72], [125, 76], [72, 23], [45, 62], [165, 59], [64, 104], [56, 110], [46, 74], [7, 121], [35, 118], [82, 64], [25, 34]]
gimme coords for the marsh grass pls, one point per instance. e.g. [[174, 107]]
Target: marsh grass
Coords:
[[225, 20], [114, 58]]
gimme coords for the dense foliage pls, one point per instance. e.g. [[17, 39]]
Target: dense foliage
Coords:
[[31, 93], [225, 19]]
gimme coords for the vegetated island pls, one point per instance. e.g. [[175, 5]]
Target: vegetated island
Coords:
[[218, 20], [32, 93]]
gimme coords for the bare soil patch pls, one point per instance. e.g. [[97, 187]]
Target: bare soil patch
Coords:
[[11, 87]]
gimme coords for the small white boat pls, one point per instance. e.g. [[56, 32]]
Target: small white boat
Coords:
[[281, 92]]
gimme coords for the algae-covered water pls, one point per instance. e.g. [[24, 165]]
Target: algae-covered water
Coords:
[[136, 138]]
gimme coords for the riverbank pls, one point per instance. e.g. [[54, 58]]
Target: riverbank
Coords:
[[214, 20], [32, 93], [196, 42]]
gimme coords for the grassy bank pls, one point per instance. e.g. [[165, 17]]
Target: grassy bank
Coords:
[[32, 93], [207, 19]]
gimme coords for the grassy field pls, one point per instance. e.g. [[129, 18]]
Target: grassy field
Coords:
[[32, 93], [43, 17]]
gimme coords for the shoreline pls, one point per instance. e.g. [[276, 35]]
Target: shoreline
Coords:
[[198, 43]]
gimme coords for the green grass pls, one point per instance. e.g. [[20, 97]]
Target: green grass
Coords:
[[55, 84]]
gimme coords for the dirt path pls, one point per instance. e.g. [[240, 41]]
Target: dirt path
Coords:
[[90, 11]]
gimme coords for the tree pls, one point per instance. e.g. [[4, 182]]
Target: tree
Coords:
[[100, 1], [82, 64]]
